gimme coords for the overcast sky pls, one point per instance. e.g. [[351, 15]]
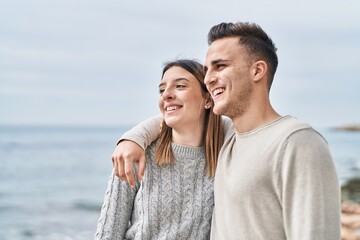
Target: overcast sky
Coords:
[[99, 62]]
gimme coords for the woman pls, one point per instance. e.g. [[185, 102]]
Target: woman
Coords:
[[174, 200]]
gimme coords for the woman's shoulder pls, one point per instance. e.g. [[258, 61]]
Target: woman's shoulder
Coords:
[[151, 149]]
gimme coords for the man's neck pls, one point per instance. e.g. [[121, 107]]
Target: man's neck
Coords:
[[255, 118]]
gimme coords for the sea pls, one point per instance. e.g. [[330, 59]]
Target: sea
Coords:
[[53, 178]]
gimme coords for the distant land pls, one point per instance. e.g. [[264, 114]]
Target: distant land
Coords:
[[348, 127]]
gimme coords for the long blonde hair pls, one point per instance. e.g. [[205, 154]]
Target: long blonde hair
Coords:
[[213, 129]]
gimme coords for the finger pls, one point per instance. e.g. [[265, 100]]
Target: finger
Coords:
[[114, 163], [129, 172], [120, 169], [141, 167]]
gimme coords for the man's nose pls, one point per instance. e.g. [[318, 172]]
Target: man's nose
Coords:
[[210, 79]]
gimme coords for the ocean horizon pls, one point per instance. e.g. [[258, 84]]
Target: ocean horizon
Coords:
[[53, 178]]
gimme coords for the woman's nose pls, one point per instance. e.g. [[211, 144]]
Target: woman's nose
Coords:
[[167, 94]]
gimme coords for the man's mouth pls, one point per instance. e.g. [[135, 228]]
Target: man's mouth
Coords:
[[218, 91]]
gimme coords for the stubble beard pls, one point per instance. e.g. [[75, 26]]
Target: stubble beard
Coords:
[[237, 106]]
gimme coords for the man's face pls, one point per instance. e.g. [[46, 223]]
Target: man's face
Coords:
[[228, 77]]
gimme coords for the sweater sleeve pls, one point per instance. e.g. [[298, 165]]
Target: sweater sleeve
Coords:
[[116, 210], [310, 188], [145, 132]]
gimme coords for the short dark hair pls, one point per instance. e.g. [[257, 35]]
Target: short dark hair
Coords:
[[256, 42]]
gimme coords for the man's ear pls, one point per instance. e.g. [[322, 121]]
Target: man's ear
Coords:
[[259, 70]]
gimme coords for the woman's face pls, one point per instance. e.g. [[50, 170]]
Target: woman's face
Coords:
[[182, 100]]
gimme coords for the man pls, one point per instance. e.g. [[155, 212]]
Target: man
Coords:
[[275, 177]]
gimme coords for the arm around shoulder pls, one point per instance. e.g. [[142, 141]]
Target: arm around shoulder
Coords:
[[144, 133], [131, 147]]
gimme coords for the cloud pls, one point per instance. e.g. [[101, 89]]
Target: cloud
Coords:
[[105, 58]]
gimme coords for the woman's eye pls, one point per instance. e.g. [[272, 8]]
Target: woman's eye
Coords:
[[180, 86]]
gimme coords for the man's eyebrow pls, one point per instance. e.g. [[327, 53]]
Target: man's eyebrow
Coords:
[[213, 62], [216, 61]]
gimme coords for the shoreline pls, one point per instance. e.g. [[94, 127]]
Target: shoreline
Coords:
[[348, 127]]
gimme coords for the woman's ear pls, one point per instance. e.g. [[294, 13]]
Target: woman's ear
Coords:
[[208, 101]]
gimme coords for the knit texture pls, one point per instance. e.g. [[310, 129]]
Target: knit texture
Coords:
[[171, 202]]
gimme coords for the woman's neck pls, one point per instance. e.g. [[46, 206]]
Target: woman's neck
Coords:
[[189, 136]]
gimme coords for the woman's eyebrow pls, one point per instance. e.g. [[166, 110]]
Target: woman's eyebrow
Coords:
[[176, 80]]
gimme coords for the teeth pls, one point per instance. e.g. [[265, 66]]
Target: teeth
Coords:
[[218, 91], [171, 108]]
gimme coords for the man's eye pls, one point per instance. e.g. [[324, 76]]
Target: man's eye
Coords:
[[161, 91], [219, 66], [180, 86]]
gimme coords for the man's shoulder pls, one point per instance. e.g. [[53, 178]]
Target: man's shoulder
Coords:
[[291, 128], [289, 124], [296, 129]]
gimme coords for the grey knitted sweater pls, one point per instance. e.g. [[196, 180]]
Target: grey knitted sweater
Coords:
[[171, 202]]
